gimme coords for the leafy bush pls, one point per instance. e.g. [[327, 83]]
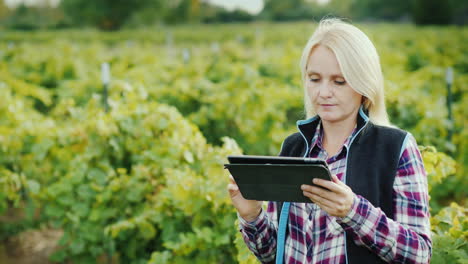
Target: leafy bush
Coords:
[[125, 182], [450, 235]]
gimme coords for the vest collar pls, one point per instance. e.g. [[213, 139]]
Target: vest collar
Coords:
[[307, 127]]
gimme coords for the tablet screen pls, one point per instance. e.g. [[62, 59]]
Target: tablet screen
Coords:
[[271, 178]]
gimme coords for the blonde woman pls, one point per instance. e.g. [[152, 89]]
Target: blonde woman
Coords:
[[376, 209]]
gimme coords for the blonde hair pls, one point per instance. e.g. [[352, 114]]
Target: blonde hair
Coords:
[[359, 63]]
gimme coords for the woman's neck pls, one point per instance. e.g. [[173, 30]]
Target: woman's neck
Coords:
[[336, 133]]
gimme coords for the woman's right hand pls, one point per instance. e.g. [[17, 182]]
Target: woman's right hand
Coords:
[[249, 210]]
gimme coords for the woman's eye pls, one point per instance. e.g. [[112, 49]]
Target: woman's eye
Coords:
[[340, 82], [314, 79]]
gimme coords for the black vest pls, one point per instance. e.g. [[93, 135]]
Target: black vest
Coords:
[[370, 172]]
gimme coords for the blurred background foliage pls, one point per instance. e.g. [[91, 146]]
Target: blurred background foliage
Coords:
[[113, 15]]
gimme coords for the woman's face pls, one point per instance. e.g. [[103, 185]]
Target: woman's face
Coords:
[[331, 96]]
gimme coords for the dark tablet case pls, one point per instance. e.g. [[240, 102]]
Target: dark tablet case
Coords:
[[271, 178]]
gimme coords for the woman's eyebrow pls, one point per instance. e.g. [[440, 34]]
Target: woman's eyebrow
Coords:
[[335, 75]]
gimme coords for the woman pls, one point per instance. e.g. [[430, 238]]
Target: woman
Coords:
[[376, 209]]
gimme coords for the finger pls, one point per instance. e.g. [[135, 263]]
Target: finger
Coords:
[[333, 197], [338, 181], [330, 185], [322, 203], [320, 194], [309, 195], [329, 210], [231, 179], [335, 179], [317, 190], [233, 187]]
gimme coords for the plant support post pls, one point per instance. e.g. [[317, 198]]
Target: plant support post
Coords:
[[449, 81], [105, 77]]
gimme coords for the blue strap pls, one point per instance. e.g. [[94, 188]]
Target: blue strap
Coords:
[[282, 233]]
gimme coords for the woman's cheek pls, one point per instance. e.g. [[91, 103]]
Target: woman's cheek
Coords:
[[312, 95]]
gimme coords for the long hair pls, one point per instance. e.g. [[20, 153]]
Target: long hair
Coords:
[[359, 63]]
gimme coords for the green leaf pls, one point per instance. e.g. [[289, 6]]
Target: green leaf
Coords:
[[81, 209], [33, 186], [97, 175], [40, 150], [85, 192], [147, 230]]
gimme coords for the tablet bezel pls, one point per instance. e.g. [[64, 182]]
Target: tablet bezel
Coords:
[[254, 159]]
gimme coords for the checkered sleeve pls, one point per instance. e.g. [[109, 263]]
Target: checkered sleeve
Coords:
[[406, 239], [260, 234]]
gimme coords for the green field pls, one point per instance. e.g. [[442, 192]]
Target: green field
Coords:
[[144, 181]]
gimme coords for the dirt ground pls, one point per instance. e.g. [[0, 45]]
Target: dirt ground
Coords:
[[34, 246], [30, 247]]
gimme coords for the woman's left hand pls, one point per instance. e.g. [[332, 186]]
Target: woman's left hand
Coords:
[[336, 201]]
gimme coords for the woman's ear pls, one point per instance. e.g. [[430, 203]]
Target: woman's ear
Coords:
[[365, 102]]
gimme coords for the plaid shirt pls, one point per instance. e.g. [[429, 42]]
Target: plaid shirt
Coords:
[[316, 237]]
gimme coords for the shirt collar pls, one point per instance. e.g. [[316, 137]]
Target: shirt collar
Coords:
[[318, 137], [307, 127]]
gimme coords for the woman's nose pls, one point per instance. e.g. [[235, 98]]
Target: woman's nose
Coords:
[[325, 89]]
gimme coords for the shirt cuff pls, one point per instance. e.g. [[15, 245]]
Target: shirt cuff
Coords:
[[254, 226], [354, 217]]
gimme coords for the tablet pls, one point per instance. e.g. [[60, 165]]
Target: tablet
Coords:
[[272, 178]]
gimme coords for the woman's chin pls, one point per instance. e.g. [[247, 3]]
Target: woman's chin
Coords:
[[330, 119], [328, 116]]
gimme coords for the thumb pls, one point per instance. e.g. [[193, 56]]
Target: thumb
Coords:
[[338, 181], [335, 179]]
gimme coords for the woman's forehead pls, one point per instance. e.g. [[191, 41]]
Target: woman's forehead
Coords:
[[322, 60]]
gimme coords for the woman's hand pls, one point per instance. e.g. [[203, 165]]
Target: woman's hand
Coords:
[[336, 201], [247, 209]]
